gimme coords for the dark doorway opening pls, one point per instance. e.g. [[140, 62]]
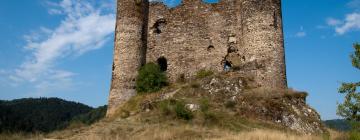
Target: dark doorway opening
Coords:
[[227, 66], [162, 62]]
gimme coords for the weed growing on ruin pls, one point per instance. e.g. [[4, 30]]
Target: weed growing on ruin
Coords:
[[150, 79]]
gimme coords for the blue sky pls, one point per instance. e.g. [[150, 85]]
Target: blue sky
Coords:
[[63, 48]]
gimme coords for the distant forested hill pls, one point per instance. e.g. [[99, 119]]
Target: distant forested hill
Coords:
[[338, 124], [44, 114]]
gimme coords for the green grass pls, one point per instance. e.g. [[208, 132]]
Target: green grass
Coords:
[[175, 108], [204, 73], [354, 135]]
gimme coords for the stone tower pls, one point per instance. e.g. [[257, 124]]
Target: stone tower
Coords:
[[129, 49], [245, 36]]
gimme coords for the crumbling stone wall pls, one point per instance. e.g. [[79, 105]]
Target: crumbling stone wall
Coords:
[[244, 35]]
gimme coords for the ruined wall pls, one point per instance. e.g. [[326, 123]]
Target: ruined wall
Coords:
[[193, 36], [245, 35]]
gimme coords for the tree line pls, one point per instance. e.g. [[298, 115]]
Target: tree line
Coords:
[[45, 114]]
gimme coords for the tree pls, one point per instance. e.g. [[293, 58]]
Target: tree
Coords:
[[350, 108]]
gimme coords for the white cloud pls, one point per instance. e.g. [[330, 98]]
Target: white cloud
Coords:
[[86, 27], [301, 33], [351, 23], [333, 22]]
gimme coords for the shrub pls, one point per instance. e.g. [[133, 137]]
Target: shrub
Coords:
[[204, 73], [230, 104], [150, 79], [182, 112], [204, 105], [175, 108], [209, 116]]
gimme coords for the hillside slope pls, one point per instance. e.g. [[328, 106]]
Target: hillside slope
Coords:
[[338, 124], [38, 115], [213, 107]]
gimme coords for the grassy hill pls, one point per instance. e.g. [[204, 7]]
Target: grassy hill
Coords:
[[44, 114], [211, 107]]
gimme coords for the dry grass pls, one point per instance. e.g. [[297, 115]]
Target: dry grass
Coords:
[[188, 132], [20, 136], [275, 93], [266, 135], [175, 131], [336, 135]]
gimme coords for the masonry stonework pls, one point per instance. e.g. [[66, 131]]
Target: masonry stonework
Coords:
[[245, 36]]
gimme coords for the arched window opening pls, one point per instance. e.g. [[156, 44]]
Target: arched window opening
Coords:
[[159, 25], [210, 48], [162, 62]]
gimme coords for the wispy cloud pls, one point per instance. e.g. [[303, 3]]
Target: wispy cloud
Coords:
[[87, 26], [301, 33], [333, 22], [350, 23]]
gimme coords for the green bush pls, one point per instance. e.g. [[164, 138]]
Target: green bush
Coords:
[[176, 109], [204, 73], [150, 79], [182, 112]]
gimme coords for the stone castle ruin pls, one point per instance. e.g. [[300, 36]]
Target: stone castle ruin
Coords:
[[244, 36]]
